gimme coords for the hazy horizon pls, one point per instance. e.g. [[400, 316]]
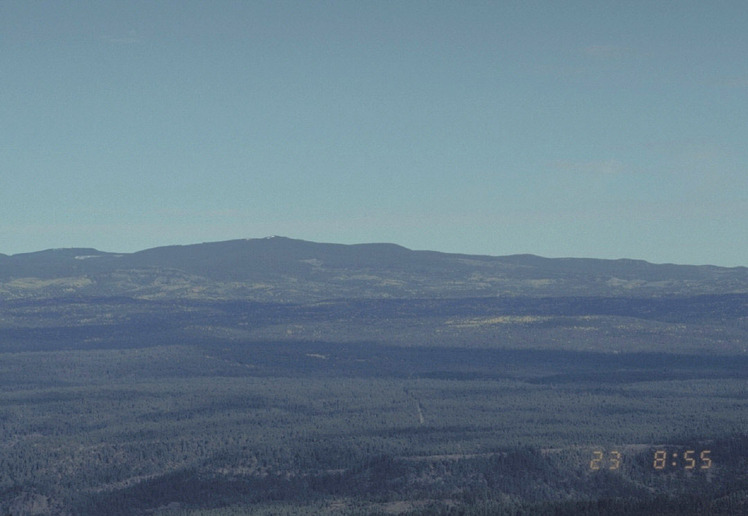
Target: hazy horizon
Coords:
[[120, 251], [575, 129]]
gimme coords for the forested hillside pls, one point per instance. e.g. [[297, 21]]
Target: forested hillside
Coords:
[[167, 399]]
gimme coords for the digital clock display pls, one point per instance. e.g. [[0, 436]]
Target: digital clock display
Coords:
[[661, 460], [689, 459], [611, 460]]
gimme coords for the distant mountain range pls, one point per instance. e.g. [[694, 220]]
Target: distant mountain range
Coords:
[[280, 269]]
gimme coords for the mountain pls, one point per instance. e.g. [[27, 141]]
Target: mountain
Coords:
[[282, 269]]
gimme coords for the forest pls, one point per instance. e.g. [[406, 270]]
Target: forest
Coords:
[[141, 416], [286, 377]]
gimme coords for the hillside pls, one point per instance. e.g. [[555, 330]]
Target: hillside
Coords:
[[280, 376], [278, 269]]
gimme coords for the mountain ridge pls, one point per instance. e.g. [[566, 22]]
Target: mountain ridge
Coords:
[[288, 270], [82, 251]]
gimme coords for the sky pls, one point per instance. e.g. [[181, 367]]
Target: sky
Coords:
[[601, 129]]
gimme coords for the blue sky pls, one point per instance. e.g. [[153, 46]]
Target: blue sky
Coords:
[[596, 129]]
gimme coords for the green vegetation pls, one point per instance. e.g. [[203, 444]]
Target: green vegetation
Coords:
[[237, 428]]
